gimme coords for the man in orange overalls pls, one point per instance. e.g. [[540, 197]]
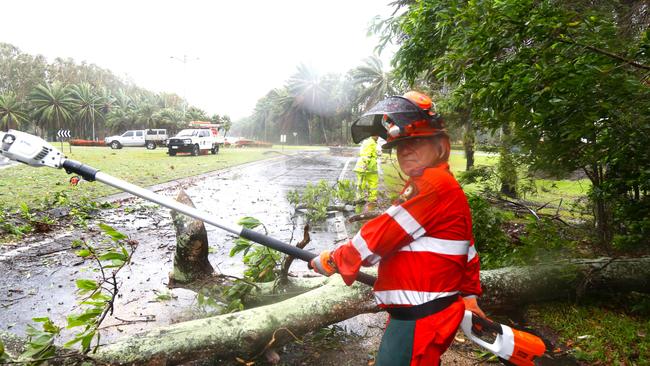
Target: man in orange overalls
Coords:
[[428, 267]]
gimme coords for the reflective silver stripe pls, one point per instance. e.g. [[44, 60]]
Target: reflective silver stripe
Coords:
[[361, 246], [471, 253], [406, 221], [435, 245], [408, 297]]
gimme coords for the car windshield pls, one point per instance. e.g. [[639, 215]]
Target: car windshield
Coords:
[[187, 133]]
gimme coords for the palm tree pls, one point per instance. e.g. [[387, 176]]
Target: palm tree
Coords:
[[290, 114], [376, 84], [120, 119], [311, 95], [145, 114], [169, 118], [106, 105], [88, 107], [226, 124], [12, 113], [53, 106]]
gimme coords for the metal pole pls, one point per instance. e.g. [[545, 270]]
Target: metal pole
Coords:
[[200, 215]]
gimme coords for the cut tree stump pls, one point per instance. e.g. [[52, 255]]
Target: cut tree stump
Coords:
[[191, 259]]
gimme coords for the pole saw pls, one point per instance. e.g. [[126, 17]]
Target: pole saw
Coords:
[[511, 345]]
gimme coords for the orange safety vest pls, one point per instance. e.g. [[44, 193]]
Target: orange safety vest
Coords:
[[424, 245]]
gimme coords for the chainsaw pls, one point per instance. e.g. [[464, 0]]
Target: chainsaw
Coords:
[[510, 345]]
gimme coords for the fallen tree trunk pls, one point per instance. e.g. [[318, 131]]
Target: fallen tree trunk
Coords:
[[515, 286], [245, 334], [249, 333]]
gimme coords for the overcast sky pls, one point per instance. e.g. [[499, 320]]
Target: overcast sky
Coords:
[[236, 51]]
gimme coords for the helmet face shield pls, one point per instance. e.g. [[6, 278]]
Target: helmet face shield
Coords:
[[392, 111]]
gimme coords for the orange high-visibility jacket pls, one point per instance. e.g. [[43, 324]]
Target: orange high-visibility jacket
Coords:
[[424, 245]]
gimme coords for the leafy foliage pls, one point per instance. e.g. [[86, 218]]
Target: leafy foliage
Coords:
[[84, 98], [536, 240], [570, 78], [490, 239], [317, 198], [96, 300]]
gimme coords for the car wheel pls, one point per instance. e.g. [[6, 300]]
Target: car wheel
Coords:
[[115, 145], [171, 152], [150, 145], [215, 149], [195, 150]]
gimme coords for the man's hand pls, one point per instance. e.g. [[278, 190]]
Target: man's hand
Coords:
[[472, 305], [323, 264]]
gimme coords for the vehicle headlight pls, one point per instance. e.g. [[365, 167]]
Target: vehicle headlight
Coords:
[[187, 141]]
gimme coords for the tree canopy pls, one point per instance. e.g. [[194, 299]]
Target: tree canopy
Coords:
[[84, 98], [570, 79]]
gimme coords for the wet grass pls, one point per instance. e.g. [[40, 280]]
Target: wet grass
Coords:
[[37, 187], [601, 331], [565, 191]]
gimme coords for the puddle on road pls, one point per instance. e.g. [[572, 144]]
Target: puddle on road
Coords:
[[40, 281]]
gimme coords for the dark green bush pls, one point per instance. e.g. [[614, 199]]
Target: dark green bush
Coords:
[[490, 239]]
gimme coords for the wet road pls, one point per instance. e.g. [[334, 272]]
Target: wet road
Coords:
[[40, 273]]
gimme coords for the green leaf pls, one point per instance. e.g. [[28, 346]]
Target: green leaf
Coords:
[[100, 296], [77, 243], [86, 318], [249, 222], [86, 340], [83, 253], [241, 244], [86, 285], [115, 263], [113, 255], [3, 356], [110, 231]]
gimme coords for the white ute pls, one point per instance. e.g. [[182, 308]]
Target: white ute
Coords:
[[149, 138]]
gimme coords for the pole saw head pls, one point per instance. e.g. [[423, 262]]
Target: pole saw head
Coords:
[[29, 149], [512, 346]]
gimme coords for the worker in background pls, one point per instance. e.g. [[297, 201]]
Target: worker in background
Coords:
[[428, 267], [366, 170]]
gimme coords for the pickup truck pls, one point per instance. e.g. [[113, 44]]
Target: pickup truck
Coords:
[[149, 138], [194, 141]]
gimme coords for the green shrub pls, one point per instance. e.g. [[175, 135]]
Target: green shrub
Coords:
[[490, 239], [544, 240], [317, 198]]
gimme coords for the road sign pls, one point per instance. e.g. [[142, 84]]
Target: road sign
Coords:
[[63, 134], [283, 138]]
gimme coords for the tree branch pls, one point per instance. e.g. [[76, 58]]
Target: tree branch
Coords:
[[608, 54]]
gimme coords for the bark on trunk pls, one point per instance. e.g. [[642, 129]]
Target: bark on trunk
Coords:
[[469, 139], [247, 333], [191, 259]]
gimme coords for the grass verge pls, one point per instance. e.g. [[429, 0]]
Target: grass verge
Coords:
[[601, 331], [36, 187], [569, 192]]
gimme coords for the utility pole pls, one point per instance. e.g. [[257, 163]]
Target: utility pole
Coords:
[[184, 60]]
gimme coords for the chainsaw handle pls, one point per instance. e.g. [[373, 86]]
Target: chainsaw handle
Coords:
[[486, 324]]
